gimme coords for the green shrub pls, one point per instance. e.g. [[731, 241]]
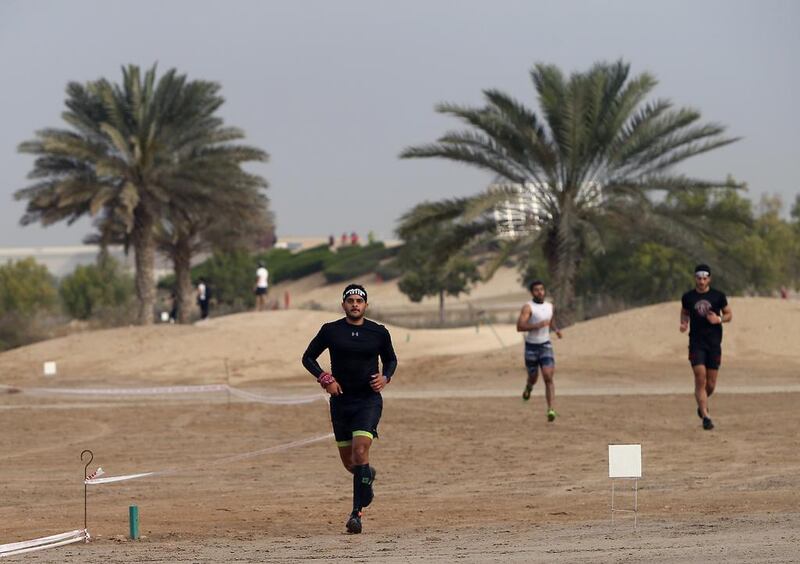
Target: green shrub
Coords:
[[95, 287], [26, 287], [283, 265], [229, 276], [355, 262], [389, 270]]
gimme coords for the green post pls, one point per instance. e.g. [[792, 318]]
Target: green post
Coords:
[[133, 516]]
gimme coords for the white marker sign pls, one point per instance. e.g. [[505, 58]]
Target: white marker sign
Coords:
[[624, 461]]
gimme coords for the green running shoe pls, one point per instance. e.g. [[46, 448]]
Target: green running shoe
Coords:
[[551, 415]]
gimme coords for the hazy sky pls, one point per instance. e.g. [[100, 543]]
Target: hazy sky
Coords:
[[333, 90]]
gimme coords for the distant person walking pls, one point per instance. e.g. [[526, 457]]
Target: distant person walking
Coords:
[[703, 311], [261, 287], [354, 384], [537, 318], [203, 297], [173, 311]]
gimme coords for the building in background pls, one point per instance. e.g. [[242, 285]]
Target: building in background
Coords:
[[522, 214]]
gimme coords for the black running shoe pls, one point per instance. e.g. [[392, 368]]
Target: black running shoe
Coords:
[[354, 523], [707, 423], [526, 394], [369, 494]]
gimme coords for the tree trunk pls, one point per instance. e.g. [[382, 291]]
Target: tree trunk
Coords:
[[441, 308], [182, 261], [562, 267], [144, 247]]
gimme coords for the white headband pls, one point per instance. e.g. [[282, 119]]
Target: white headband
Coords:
[[702, 273]]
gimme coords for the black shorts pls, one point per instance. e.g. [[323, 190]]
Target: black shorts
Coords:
[[261, 291], [701, 354], [354, 417]]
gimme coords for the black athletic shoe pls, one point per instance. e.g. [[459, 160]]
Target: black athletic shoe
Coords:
[[369, 494], [354, 523], [526, 394], [707, 423]]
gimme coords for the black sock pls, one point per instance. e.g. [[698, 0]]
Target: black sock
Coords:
[[362, 480]]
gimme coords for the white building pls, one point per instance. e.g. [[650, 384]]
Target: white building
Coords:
[[522, 215], [518, 216]]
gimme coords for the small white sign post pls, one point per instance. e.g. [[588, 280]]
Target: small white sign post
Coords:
[[50, 368], [625, 462]]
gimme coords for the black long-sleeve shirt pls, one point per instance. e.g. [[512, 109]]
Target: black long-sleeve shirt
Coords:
[[354, 351]]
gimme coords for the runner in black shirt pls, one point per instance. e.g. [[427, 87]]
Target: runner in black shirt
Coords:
[[355, 385], [706, 309]]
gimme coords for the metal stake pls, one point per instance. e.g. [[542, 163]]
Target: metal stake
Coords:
[[85, 487]]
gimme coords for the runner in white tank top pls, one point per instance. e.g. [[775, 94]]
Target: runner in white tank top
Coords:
[[537, 319], [539, 312]]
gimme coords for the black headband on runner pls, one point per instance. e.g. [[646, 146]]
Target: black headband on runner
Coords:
[[354, 291]]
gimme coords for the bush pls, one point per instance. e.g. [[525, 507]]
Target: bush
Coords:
[[355, 262], [283, 265], [95, 287], [389, 270], [26, 287], [229, 277]]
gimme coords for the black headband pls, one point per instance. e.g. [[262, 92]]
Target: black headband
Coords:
[[354, 291]]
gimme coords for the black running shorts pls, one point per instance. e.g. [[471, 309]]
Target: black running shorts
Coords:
[[709, 356], [352, 417]]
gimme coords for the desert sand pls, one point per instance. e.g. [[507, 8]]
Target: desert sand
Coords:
[[467, 470]]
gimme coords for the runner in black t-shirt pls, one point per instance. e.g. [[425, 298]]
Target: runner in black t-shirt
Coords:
[[355, 385], [706, 309]]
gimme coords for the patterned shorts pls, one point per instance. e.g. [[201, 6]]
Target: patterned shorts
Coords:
[[537, 355]]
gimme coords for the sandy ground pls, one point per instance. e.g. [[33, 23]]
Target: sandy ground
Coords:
[[468, 471]]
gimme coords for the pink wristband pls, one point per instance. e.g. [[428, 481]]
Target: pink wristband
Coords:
[[325, 379]]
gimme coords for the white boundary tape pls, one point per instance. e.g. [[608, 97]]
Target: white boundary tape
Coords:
[[224, 460], [42, 543], [172, 390], [151, 391]]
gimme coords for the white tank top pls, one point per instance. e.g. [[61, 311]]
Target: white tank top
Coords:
[[539, 312]]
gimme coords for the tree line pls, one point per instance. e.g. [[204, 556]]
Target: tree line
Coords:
[[608, 214]]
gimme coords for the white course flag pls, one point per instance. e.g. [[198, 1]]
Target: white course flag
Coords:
[[42, 543]]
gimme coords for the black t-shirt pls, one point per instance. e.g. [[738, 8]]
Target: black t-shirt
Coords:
[[354, 351], [699, 305]]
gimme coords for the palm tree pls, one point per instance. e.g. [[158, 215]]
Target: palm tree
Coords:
[[218, 221], [595, 154], [133, 149]]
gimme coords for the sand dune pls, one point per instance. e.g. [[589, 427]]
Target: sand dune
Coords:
[[264, 347]]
